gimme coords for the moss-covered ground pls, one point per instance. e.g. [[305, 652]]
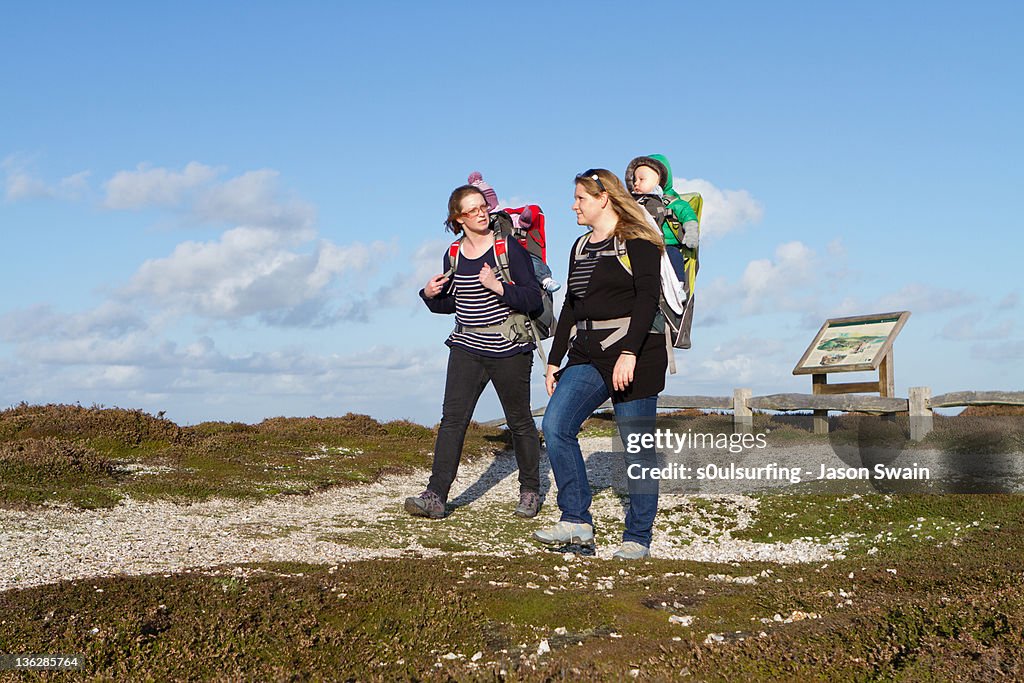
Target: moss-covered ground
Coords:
[[95, 457], [910, 611], [931, 587]]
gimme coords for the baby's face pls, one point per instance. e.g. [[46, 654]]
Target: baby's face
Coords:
[[645, 179]]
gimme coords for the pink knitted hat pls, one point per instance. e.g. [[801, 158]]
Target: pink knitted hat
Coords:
[[476, 179]]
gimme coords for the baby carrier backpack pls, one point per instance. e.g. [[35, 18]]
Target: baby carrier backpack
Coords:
[[675, 308], [658, 207], [691, 264], [518, 327], [527, 227]]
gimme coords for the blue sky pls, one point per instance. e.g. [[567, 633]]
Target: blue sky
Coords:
[[225, 210]]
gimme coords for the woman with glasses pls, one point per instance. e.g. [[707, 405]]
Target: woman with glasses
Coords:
[[605, 326], [482, 349]]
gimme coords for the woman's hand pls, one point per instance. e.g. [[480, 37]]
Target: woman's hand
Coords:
[[549, 379], [489, 280], [622, 374], [435, 285]]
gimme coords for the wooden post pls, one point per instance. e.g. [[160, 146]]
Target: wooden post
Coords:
[[818, 383], [886, 386], [742, 415], [922, 418]]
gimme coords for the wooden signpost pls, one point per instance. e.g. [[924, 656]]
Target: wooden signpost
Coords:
[[860, 343]]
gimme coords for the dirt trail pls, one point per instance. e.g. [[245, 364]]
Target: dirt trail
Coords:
[[365, 521]]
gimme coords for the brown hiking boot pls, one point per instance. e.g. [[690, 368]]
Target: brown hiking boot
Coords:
[[427, 504], [529, 504]]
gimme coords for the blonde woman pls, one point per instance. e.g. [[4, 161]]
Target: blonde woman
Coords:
[[605, 327]]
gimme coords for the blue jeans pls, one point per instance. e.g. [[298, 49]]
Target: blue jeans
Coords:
[[540, 269], [579, 392]]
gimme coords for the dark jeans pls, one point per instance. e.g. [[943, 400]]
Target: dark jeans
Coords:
[[678, 263], [579, 392], [468, 374]]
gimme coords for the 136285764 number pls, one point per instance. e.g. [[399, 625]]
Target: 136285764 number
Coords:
[[42, 662]]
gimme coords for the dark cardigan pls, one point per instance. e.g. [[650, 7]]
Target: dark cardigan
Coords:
[[614, 293], [522, 294]]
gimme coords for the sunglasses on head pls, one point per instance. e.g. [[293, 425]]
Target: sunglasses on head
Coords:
[[592, 174]]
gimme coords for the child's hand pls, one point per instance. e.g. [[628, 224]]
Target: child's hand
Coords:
[[489, 280], [435, 285]]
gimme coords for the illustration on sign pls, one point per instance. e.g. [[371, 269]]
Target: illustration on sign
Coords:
[[849, 344]]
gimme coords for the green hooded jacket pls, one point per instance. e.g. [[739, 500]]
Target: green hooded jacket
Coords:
[[679, 207]]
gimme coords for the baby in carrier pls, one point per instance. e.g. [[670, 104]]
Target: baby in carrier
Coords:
[[649, 179], [527, 225]]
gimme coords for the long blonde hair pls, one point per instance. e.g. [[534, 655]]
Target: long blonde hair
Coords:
[[632, 222]]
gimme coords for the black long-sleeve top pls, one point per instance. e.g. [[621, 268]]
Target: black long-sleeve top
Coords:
[[614, 293]]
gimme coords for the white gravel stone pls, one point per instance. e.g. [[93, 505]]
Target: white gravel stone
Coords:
[[47, 545]]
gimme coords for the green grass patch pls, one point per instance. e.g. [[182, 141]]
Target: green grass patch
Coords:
[[944, 613], [881, 522], [94, 457]]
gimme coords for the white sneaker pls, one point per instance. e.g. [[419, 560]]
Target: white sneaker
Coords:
[[549, 284], [631, 550], [565, 532]]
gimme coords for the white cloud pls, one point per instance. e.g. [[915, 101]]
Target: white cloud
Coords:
[[724, 210], [43, 322], [268, 263], [739, 369], [836, 249], [923, 298], [968, 327], [253, 199], [1000, 353], [1009, 302], [128, 350], [252, 271], [514, 202], [744, 360], [21, 184], [146, 187], [746, 345], [74, 186], [796, 279], [268, 266], [782, 283], [426, 262], [819, 313], [197, 381]]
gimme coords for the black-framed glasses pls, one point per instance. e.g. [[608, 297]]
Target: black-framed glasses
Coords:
[[592, 174]]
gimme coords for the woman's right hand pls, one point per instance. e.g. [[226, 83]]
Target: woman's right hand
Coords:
[[435, 285], [549, 379]]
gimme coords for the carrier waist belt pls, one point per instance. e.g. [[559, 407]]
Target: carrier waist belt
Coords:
[[619, 325], [511, 329]]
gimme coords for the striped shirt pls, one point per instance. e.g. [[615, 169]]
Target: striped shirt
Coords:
[[579, 279], [477, 306]]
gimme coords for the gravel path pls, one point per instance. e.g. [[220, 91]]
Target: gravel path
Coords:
[[367, 521]]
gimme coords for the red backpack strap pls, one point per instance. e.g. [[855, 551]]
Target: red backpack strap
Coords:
[[538, 230], [501, 258], [453, 257]]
